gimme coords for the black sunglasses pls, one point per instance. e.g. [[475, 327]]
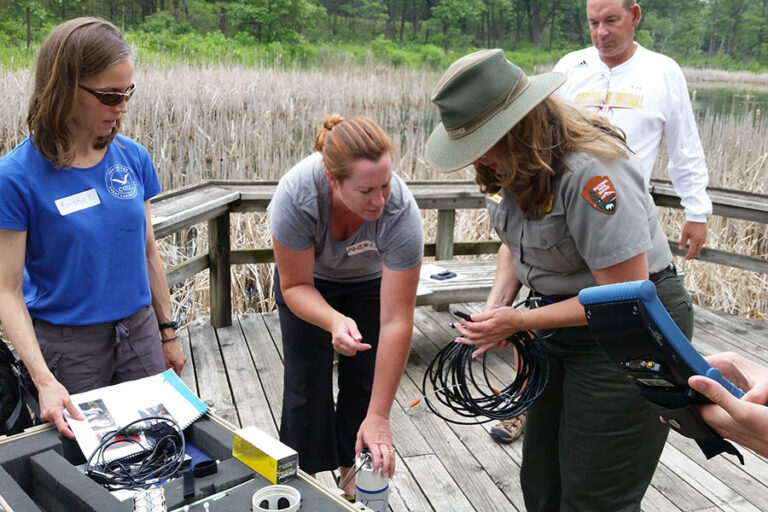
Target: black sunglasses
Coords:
[[111, 98]]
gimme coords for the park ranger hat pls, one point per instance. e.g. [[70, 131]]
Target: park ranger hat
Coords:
[[480, 98]]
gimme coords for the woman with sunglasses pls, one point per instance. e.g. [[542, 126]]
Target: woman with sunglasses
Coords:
[[83, 293], [348, 243], [568, 201]]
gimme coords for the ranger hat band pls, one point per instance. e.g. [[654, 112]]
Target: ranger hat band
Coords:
[[480, 98]]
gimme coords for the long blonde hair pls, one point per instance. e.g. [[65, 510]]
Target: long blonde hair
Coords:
[[533, 151]]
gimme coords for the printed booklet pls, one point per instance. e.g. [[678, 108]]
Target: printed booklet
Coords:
[[110, 408]]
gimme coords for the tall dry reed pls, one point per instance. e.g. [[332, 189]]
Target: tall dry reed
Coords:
[[246, 123]]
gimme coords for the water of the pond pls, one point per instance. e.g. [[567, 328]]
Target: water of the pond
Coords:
[[727, 100]]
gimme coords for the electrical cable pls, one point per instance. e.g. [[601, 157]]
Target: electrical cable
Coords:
[[160, 458], [453, 382]]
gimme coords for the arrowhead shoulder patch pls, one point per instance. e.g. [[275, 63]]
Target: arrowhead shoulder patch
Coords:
[[600, 194]]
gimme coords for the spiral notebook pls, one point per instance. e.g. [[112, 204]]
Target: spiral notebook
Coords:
[[109, 408]]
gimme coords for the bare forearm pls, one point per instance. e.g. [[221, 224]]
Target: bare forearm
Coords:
[[308, 304], [17, 323], [506, 285], [502, 293], [391, 358], [568, 313], [158, 284]]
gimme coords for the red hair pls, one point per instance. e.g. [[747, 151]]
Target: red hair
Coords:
[[342, 141]]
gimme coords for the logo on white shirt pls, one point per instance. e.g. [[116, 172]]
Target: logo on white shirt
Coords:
[[361, 247], [606, 102]]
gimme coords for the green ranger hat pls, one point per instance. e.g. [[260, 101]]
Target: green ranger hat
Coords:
[[481, 97]]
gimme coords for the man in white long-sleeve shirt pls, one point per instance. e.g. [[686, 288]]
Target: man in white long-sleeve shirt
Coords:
[[645, 94]]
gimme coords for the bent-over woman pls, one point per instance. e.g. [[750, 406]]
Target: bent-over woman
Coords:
[[348, 243]]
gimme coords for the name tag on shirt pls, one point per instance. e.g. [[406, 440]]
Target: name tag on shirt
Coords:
[[77, 202], [361, 247]]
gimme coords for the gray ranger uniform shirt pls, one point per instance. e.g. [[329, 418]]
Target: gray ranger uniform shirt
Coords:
[[300, 216], [601, 215]]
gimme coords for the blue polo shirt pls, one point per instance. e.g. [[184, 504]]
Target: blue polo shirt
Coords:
[[85, 259]]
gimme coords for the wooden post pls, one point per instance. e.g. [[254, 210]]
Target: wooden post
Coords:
[[220, 280], [444, 239]]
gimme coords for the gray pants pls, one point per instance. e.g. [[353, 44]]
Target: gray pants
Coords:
[[93, 356]]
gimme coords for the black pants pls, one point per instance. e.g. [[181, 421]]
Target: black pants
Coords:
[[324, 436]]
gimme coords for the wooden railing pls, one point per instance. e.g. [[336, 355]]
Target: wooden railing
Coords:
[[214, 201]]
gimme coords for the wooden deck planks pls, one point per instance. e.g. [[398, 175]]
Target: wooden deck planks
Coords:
[[654, 501], [707, 484], [676, 490], [441, 466], [188, 372], [405, 493], [454, 456], [267, 363], [727, 469], [247, 393], [212, 384]]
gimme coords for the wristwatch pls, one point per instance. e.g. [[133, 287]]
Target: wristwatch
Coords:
[[166, 325]]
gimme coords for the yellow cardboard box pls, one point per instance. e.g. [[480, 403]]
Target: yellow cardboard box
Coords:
[[263, 453]]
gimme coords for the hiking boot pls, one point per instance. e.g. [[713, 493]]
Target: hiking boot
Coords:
[[507, 431]]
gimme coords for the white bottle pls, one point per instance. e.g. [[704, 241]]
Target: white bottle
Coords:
[[372, 489]]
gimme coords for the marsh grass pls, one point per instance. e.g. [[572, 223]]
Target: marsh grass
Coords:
[[246, 123], [736, 147]]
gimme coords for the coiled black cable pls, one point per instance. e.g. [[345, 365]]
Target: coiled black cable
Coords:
[[158, 460], [451, 380]]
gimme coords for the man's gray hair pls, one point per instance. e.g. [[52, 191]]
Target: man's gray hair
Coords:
[[629, 3]]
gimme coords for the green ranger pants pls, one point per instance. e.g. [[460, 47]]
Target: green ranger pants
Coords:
[[591, 442]]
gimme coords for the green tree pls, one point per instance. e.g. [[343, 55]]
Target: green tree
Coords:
[[273, 20], [453, 18], [752, 39]]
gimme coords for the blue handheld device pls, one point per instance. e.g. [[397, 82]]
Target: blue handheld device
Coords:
[[630, 323]]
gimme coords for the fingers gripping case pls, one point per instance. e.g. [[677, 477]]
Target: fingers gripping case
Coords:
[[630, 323]]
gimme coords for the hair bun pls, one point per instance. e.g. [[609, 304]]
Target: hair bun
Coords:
[[328, 125], [332, 121]]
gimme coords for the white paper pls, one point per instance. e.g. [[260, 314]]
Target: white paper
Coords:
[[110, 408]]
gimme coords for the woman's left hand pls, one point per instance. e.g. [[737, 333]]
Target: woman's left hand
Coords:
[[174, 356], [375, 433], [489, 330]]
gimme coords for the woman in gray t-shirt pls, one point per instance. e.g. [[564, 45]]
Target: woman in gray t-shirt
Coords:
[[348, 243]]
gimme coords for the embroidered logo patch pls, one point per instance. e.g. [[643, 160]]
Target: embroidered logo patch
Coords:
[[600, 194]]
